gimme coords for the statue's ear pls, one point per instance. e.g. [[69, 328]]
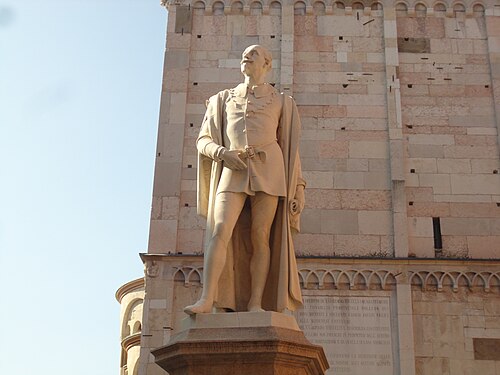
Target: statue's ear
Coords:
[[206, 103], [268, 65]]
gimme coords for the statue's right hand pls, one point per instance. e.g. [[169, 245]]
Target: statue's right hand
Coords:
[[233, 160]]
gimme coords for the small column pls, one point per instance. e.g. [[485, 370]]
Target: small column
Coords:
[[405, 325], [493, 35], [396, 144]]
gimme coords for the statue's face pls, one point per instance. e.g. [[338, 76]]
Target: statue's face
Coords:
[[253, 62]]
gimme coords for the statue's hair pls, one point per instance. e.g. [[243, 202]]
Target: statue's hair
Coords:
[[267, 54]]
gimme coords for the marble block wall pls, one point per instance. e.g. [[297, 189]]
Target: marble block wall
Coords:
[[399, 112], [400, 108], [339, 86], [450, 125]]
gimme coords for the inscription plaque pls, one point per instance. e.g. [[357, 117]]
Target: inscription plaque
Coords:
[[355, 332]]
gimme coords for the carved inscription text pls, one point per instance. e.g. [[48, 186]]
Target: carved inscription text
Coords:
[[355, 332]]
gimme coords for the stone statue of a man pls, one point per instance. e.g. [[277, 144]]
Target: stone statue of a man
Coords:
[[251, 190]]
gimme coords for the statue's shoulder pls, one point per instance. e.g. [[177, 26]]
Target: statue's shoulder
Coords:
[[288, 101], [285, 95], [221, 94], [214, 99]]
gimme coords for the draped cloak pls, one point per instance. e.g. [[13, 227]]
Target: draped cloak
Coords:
[[282, 289]]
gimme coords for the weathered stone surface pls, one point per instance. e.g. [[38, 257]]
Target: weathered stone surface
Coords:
[[244, 343], [347, 74], [355, 332], [487, 349]]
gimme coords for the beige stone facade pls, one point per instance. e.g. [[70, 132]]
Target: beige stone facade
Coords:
[[400, 108]]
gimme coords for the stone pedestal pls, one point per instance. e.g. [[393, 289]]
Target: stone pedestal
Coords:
[[263, 343]]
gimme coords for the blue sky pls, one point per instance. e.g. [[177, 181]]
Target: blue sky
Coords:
[[80, 84]]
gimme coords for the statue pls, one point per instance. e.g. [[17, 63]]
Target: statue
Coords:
[[251, 191]]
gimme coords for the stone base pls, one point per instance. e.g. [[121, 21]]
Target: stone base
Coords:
[[261, 343]]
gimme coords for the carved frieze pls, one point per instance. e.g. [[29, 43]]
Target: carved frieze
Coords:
[[317, 276], [413, 8]]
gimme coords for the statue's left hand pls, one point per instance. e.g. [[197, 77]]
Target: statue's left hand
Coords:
[[300, 197]]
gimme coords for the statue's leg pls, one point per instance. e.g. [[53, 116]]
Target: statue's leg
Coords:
[[227, 209], [263, 212]]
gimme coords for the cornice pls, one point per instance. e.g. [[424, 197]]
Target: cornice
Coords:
[[357, 273], [131, 286], [130, 341], [374, 277], [411, 6], [345, 260]]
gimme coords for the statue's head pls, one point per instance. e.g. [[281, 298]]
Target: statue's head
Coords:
[[256, 60]]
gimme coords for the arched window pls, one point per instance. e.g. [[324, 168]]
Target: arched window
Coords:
[[256, 8], [299, 8], [339, 5], [218, 8], [377, 6], [275, 8], [478, 10], [420, 10], [401, 9], [319, 8], [357, 9], [237, 7], [439, 8], [132, 316], [458, 8], [199, 8]]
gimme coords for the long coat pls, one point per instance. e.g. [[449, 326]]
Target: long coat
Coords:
[[282, 289]]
